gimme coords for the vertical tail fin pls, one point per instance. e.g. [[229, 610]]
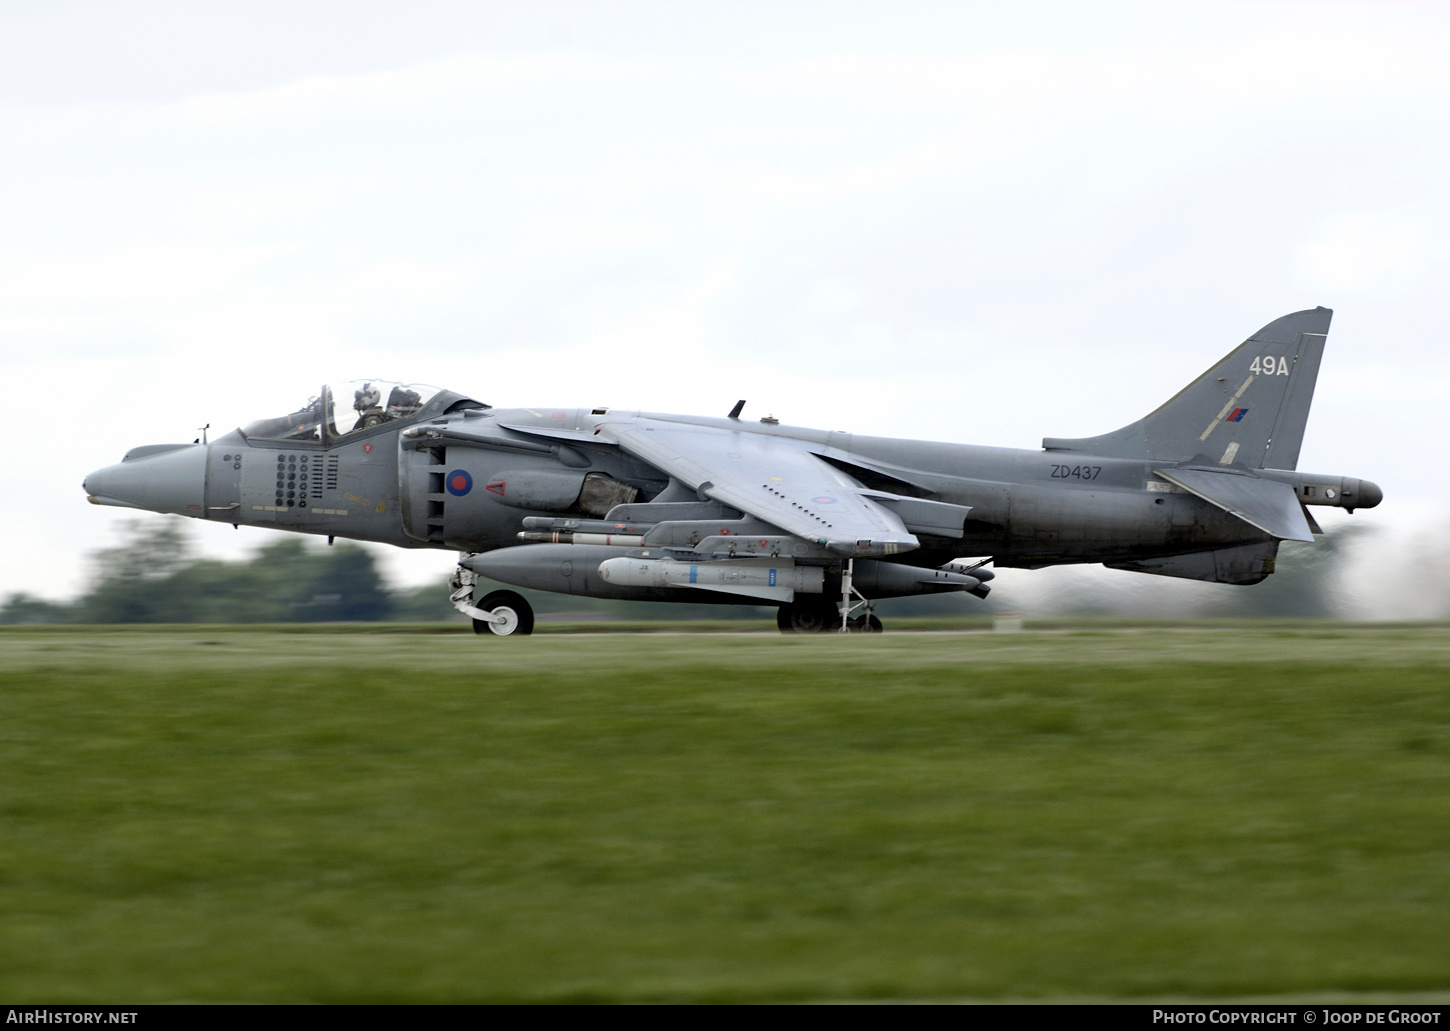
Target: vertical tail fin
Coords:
[[1248, 410]]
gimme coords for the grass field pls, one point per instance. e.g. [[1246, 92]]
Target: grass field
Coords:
[[1109, 811]]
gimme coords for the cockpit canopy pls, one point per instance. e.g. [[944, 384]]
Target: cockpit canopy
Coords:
[[343, 409]]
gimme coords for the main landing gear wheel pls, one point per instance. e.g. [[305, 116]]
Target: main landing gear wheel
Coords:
[[807, 619], [512, 616]]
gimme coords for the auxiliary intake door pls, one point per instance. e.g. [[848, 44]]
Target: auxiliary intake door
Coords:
[[421, 491]]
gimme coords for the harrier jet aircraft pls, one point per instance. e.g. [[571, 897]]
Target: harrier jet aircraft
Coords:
[[823, 524]]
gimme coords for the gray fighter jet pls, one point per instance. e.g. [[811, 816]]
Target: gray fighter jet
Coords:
[[823, 524]]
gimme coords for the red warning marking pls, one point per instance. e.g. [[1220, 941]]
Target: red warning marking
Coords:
[[368, 449], [724, 531], [497, 487]]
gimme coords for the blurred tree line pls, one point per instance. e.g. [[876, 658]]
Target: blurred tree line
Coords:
[[155, 575]]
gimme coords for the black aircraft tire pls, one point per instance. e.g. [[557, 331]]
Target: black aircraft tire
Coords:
[[520, 615], [807, 619], [873, 625]]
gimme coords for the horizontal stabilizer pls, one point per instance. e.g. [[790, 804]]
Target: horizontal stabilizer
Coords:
[[1271, 506]]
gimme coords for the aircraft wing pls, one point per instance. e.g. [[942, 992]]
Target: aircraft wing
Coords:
[[775, 479], [1267, 504]]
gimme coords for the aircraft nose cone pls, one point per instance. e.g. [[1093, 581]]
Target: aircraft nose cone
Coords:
[[162, 478]]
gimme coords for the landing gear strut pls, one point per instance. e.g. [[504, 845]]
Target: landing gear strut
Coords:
[[856, 616], [501, 613], [821, 616], [822, 619]]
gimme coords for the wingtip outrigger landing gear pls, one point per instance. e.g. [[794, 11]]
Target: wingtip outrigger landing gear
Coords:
[[501, 613]]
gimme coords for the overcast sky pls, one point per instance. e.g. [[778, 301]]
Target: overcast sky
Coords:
[[983, 223]]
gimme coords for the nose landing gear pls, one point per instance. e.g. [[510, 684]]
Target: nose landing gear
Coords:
[[506, 614], [500, 613]]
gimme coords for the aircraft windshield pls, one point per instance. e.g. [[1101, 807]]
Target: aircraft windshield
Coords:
[[364, 403], [349, 407], [303, 424]]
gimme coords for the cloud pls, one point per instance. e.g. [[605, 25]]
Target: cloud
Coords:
[[1363, 250], [957, 223]]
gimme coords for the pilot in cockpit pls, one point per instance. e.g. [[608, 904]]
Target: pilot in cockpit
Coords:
[[368, 401], [403, 402], [374, 403]]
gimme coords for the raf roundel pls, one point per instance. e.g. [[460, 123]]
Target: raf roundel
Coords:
[[459, 483]]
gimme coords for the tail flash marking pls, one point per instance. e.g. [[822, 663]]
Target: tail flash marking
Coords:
[[1232, 403]]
